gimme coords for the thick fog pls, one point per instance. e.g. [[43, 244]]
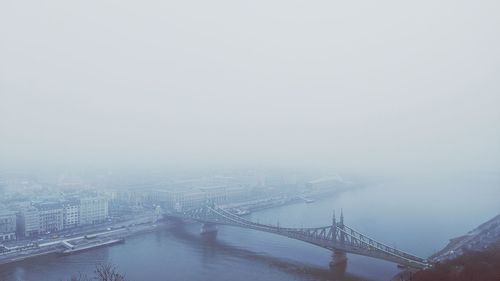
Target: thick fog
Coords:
[[372, 86]]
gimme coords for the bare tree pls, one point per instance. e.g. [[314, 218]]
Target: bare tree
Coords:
[[107, 272]]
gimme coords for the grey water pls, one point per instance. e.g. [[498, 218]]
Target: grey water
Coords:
[[397, 213]]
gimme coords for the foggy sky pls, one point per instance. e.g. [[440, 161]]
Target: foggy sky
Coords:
[[360, 85]]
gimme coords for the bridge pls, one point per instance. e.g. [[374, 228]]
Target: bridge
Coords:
[[336, 237]]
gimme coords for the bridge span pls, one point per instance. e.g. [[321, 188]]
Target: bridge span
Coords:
[[336, 237]]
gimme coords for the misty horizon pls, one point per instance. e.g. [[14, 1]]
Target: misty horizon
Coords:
[[388, 88]]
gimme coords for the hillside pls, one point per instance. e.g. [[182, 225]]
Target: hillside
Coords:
[[470, 266], [478, 239]]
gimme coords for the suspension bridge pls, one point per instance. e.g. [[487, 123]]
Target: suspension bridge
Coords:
[[336, 237]]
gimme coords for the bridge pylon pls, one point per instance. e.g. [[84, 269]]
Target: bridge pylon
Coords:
[[339, 257], [342, 227]]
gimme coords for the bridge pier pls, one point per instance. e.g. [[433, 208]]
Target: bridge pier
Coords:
[[339, 258], [209, 229]]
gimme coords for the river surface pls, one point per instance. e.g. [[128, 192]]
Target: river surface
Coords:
[[420, 222]]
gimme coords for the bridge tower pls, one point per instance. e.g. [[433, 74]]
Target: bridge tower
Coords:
[[342, 235], [334, 220], [339, 258], [208, 229]]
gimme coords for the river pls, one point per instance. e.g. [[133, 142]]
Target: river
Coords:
[[419, 222]]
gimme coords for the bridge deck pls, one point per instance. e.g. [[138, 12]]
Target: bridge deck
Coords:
[[337, 236]]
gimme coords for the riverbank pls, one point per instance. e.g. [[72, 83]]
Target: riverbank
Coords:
[[477, 239], [279, 201], [97, 239], [463, 252], [481, 265]]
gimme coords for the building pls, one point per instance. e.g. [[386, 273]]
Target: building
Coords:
[[238, 193], [216, 194], [51, 217], [179, 199], [190, 199], [93, 210], [28, 222], [71, 213], [46, 217], [186, 198], [7, 225]]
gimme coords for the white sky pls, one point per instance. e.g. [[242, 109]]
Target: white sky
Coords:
[[363, 85]]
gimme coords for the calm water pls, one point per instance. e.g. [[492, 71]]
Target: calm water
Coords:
[[417, 222]]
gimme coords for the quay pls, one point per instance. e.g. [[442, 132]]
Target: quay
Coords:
[[87, 246], [75, 244]]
